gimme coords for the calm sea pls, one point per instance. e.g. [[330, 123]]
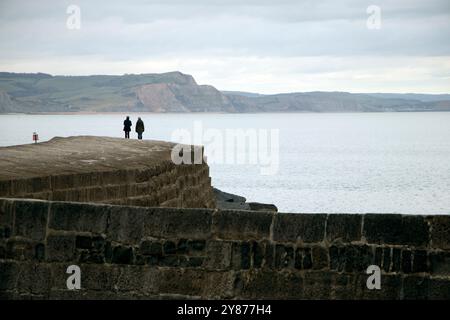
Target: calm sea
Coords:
[[349, 162]]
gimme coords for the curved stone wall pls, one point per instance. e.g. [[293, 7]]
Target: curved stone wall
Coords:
[[104, 170]]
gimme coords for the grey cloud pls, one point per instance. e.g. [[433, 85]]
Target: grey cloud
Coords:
[[289, 28], [212, 30]]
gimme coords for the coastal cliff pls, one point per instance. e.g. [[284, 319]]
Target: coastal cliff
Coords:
[[178, 92]]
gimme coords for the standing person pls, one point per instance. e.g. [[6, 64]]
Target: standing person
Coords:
[[127, 127], [139, 128]]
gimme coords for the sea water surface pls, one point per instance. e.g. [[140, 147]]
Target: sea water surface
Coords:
[[329, 162]]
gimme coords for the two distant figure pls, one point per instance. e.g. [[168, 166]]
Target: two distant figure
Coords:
[[139, 127]]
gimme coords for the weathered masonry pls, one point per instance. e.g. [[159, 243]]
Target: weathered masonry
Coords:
[[139, 226], [152, 253], [104, 170]]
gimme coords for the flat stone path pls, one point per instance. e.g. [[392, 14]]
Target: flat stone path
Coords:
[[80, 154]]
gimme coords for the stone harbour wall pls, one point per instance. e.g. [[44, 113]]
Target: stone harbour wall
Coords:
[[106, 170], [129, 252], [164, 185]]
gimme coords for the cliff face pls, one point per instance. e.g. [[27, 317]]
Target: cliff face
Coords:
[[171, 97], [167, 92], [6, 104], [178, 92]]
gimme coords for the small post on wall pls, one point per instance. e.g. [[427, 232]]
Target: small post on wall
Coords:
[[35, 137]]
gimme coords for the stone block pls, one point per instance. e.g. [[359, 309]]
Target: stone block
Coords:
[[396, 229], [123, 255], [196, 246], [39, 252], [5, 188], [439, 289], [352, 258], [396, 259], [142, 175], [182, 246], [378, 257], [9, 271], [218, 285], [181, 281], [35, 278], [79, 217], [317, 285], [30, 219], [169, 247], [83, 242], [20, 249], [349, 256], [102, 277], [258, 249], [440, 231], [136, 280], [174, 261], [284, 256], [344, 227], [115, 177], [245, 255], [307, 259], [406, 261], [307, 228], [319, 258], [218, 255], [178, 223], [150, 247], [298, 258], [420, 261], [195, 262], [91, 256], [242, 225], [440, 263], [386, 265], [60, 247], [59, 182], [20, 187], [88, 179], [6, 214], [269, 284], [415, 288], [126, 224], [112, 191], [269, 255], [343, 286], [364, 257], [335, 261]]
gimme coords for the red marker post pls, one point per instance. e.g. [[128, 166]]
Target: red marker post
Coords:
[[35, 137]]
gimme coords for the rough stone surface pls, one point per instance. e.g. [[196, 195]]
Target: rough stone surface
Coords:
[[344, 227], [104, 170], [440, 231], [129, 252], [229, 224], [307, 228], [396, 229]]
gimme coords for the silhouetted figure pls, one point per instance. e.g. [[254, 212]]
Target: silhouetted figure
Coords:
[[127, 127], [139, 128]]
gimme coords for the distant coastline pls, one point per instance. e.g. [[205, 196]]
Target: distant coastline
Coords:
[[211, 113], [175, 92]]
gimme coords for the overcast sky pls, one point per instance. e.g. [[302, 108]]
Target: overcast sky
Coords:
[[254, 45]]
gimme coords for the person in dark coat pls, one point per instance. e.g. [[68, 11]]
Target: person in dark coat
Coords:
[[127, 127], [139, 128]]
